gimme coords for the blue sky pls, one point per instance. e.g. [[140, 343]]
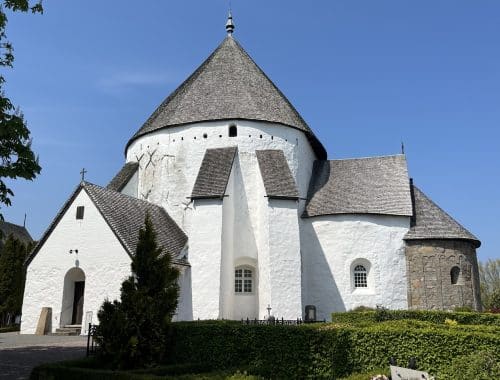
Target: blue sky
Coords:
[[365, 75]]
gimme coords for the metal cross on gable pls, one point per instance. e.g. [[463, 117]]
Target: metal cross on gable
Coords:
[[83, 172]]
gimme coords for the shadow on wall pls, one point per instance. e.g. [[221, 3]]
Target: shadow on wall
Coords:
[[320, 287], [185, 304]]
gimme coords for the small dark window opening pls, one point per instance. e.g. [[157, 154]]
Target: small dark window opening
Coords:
[[455, 275], [233, 132], [272, 137], [260, 136], [79, 212], [220, 136], [195, 137], [205, 135]]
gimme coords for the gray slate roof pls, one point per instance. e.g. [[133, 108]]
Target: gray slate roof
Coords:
[[276, 174], [19, 232], [123, 176], [431, 222], [374, 185], [125, 215], [214, 173], [228, 85]]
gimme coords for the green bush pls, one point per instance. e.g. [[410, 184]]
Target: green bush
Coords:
[[438, 317], [133, 332], [89, 370], [478, 366], [326, 350]]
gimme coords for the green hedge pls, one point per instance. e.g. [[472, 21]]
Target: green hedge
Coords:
[[325, 350], [9, 329], [466, 318], [90, 369]]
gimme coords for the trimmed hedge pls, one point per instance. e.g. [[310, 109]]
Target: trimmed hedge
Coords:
[[89, 369], [324, 350], [439, 317]]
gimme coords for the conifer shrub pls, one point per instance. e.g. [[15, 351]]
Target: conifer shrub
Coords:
[[134, 331], [12, 279]]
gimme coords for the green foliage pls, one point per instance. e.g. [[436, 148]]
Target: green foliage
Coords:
[[489, 275], [133, 332], [89, 370], [478, 366], [323, 351], [12, 278], [438, 317], [494, 301], [17, 160]]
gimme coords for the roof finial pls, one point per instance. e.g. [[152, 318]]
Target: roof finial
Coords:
[[229, 24]]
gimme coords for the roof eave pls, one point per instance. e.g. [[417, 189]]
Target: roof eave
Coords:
[[474, 241], [316, 145]]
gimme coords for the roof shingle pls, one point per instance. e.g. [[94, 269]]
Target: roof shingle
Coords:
[[374, 185], [228, 85], [126, 216], [276, 174], [214, 173], [123, 176], [431, 222]]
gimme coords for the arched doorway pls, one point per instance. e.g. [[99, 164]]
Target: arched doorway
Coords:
[[73, 296]]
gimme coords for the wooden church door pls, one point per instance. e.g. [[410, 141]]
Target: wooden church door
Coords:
[[78, 303]]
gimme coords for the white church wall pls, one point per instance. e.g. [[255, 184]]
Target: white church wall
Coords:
[[176, 153], [104, 262], [184, 310], [332, 245], [131, 187], [169, 162], [205, 242], [262, 235], [284, 259], [227, 261]]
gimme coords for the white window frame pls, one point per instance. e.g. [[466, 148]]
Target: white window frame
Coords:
[[367, 265], [360, 274], [244, 278]]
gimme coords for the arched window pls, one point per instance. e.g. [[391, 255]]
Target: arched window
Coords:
[[243, 280], [455, 275], [233, 132], [360, 277]]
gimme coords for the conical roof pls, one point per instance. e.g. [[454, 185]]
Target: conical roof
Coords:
[[228, 85], [429, 221]]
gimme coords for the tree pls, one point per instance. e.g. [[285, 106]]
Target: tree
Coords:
[[17, 158], [489, 273], [133, 331], [12, 278]]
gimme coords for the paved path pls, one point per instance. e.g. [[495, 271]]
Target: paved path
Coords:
[[20, 353]]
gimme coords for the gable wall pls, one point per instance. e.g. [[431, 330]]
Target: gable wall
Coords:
[[332, 244], [100, 255]]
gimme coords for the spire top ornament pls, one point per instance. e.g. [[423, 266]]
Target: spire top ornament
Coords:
[[229, 24]]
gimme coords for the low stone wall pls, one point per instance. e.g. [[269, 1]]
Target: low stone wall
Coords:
[[430, 283]]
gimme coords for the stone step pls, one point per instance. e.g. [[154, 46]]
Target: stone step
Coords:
[[68, 330]]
